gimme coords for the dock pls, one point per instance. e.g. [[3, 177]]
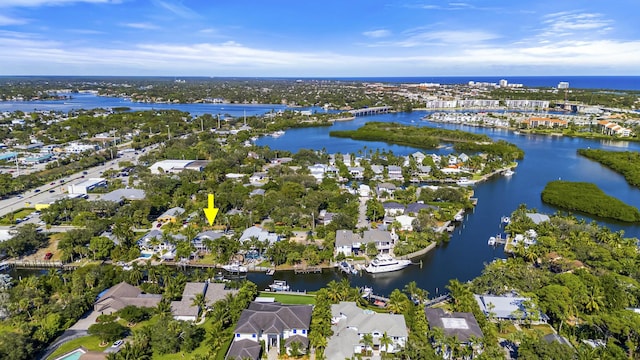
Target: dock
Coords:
[[308, 270]]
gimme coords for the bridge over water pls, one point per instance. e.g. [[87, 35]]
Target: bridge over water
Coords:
[[370, 111]]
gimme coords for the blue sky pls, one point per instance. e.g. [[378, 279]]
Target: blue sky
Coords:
[[319, 38]]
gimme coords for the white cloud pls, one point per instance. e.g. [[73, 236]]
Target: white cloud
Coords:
[[142, 26], [177, 8], [565, 24], [7, 21], [34, 3], [377, 33]]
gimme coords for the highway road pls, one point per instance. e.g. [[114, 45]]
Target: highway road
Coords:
[[48, 191]]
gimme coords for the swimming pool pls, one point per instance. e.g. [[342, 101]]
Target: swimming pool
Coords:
[[74, 355], [146, 255]]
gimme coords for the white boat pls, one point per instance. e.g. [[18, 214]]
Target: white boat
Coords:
[[347, 268], [492, 241], [386, 263], [516, 132], [505, 220], [458, 217], [508, 172], [465, 182], [235, 268], [366, 291], [279, 285], [277, 134]]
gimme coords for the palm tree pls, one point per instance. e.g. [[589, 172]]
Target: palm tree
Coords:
[[334, 291], [201, 302], [367, 341], [398, 302], [164, 307], [385, 342]]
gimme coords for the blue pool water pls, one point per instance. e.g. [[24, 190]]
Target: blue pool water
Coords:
[[75, 355]]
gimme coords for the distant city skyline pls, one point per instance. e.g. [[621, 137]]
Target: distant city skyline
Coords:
[[355, 38]]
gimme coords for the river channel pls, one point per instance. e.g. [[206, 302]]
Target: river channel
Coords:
[[546, 158]]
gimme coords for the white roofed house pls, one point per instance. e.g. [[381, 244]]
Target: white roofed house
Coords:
[[317, 171], [377, 171], [463, 157], [357, 172], [259, 233], [350, 323], [406, 222]]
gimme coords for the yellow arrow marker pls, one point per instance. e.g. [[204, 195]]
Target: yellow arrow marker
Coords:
[[210, 212]]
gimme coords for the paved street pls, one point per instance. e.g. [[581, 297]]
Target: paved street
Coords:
[[47, 191]]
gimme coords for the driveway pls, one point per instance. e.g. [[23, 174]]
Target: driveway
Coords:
[[77, 330]]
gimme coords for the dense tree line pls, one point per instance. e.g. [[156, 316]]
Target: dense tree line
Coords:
[[626, 163], [589, 199], [430, 138], [583, 276]]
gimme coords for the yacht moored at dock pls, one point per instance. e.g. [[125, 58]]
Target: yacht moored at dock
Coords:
[[386, 263], [508, 172], [347, 268], [235, 268], [279, 285]]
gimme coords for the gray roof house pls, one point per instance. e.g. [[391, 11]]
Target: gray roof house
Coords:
[[384, 240], [350, 323], [185, 310], [462, 325], [272, 323], [198, 241], [171, 214], [346, 241], [392, 208], [415, 208], [122, 295], [537, 218]]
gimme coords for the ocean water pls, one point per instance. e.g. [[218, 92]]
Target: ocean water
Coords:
[[579, 82]]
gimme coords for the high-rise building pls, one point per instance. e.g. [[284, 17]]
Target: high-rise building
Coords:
[[503, 83], [563, 85]]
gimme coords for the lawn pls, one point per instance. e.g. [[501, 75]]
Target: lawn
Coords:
[[9, 219], [91, 343], [290, 299]]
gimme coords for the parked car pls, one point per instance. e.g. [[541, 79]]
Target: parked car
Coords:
[[48, 256], [117, 343], [52, 191], [36, 190]]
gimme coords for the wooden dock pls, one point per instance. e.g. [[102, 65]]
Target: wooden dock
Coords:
[[308, 270]]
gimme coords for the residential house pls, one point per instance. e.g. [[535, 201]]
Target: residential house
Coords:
[[272, 323], [259, 233], [463, 157], [325, 217], [394, 172], [384, 240], [377, 170], [156, 242], [537, 218], [120, 195], [406, 222], [509, 308], [122, 295], [357, 172], [385, 189], [392, 208], [534, 122], [364, 190], [461, 325], [350, 323], [453, 160], [171, 215], [419, 157], [416, 207], [199, 240], [186, 310], [422, 171], [317, 171], [258, 178], [610, 128], [346, 242], [257, 192]]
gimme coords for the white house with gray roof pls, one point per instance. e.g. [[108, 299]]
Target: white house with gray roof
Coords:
[[272, 323], [350, 323], [259, 233]]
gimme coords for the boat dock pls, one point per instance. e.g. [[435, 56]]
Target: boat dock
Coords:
[[498, 240], [308, 270]]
